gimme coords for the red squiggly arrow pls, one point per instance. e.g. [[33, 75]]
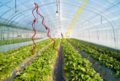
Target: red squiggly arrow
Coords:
[[36, 7], [34, 31]]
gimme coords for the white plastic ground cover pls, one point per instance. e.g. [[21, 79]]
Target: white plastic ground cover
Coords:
[[8, 47], [108, 75], [25, 64]]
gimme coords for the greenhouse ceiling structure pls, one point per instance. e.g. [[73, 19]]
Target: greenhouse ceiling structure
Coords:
[[92, 22], [98, 22]]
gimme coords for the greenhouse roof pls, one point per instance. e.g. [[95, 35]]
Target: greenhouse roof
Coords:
[[97, 14]]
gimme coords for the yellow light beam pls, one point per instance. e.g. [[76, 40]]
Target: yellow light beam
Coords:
[[78, 12]]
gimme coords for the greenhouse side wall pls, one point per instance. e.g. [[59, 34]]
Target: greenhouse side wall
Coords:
[[104, 41], [12, 38]]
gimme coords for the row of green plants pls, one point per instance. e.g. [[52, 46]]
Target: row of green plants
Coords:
[[104, 59], [77, 68], [5, 42], [14, 51], [40, 68], [102, 50], [7, 64]]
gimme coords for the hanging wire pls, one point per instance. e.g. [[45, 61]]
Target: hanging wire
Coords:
[[16, 6], [57, 7]]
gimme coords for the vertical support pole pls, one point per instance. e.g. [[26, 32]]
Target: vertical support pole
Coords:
[[26, 35], [17, 35], [0, 36], [7, 35], [29, 35], [41, 34], [23, 34], [59, 15], [89, 33], [5, 42], [83, 34], [12, 35], [98, 37], [3, 37], [20, 35]]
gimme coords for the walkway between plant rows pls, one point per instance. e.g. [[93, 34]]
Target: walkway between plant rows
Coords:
[[57, 71]]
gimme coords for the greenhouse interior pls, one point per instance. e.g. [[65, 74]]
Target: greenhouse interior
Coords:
[[59, 40]]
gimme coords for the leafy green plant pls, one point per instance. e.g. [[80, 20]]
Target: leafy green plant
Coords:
[[77, 68], [11, 61], [99, 49], [5, 42], [104, 59], [39, 69]]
